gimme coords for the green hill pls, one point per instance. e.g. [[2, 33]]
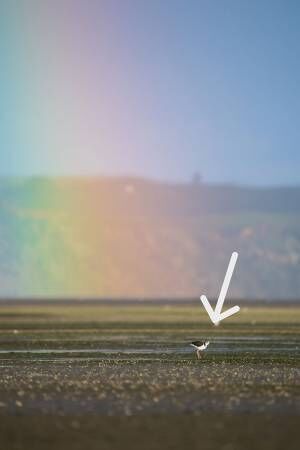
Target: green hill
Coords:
[[125, 237]]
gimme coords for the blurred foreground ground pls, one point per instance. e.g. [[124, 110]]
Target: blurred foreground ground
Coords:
[[110, 376]]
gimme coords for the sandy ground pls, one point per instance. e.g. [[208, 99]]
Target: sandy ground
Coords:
[[205, 432]]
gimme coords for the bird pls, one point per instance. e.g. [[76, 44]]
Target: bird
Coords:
[[200, 346]]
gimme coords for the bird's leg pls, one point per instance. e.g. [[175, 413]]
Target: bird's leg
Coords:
[[198, 354]]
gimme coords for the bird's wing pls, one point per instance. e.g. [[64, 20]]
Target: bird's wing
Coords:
[[197, 343]]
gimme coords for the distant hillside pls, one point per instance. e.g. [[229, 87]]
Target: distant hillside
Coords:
[[123, 237]]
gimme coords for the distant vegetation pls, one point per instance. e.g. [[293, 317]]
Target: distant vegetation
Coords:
[[121, 237]]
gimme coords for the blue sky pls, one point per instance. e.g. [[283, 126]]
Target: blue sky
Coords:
[[181, 86]]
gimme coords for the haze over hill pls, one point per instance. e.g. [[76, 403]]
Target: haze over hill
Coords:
[[126, 237]]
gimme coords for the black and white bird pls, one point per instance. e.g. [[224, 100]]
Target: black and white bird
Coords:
[[200, 346]]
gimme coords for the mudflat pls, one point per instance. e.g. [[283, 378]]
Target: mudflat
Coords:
[[114, 376]]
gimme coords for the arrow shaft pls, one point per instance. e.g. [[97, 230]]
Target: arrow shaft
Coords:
[[226, 283]]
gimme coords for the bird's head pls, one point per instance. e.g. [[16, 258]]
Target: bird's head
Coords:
[[207, 343]]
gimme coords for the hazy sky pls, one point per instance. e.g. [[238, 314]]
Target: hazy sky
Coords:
[[153, 88]]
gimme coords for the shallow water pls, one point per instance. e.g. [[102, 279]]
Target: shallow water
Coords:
[[220, 346]]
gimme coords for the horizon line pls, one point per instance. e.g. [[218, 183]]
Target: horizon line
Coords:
[[148, 179]]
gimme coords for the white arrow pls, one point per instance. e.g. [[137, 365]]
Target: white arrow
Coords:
[[215, 315]]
